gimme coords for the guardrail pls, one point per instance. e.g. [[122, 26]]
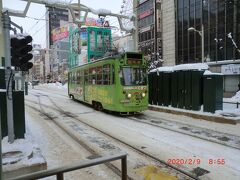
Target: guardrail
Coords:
[[59, 172], [237, 103]]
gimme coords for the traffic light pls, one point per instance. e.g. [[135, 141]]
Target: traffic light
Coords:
[[20, 49]]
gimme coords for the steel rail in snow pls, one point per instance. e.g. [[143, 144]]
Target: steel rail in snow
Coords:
[[59, 172]]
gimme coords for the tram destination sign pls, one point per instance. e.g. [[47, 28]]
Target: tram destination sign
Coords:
[[134, 61]]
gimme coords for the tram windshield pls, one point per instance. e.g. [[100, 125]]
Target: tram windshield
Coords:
[[133, 76]]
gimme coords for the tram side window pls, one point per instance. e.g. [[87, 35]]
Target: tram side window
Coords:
[[99, 75], [73, 78], [92, 76], [106, 74], [78, 77], [86, 78], [113, 75], [81, 77]]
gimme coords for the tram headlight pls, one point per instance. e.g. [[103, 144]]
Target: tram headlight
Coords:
[[143, 95], [129, 95]]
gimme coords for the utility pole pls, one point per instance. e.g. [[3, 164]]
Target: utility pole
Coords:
[[1, 37], [1, 54], [155, 30], [202, 36], [8, 75], [135, 24]]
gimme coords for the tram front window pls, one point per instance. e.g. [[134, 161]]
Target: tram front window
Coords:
[[133, 76]]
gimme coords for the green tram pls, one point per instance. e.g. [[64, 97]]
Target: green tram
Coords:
[[113, 82]]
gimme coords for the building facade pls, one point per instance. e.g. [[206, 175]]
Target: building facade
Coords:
[[168, 32], [38, 72], [60, 60], [220, 20], [55, 18], [149, 27], [57, 43]]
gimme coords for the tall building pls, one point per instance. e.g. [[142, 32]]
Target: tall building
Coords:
[[220, 20], [57, 41], [149, 27], [38, 71], [55, 18], [60, 59], [168, 32]]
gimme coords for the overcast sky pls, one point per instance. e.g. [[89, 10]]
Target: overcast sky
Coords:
[[36, 27]]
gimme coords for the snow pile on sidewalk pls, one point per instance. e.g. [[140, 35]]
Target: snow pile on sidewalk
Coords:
[[57, 85], [231, 111], [236, 97], [21, 153]]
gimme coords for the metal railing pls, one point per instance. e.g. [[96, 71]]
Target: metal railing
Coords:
[[59, 172], [237, 103]]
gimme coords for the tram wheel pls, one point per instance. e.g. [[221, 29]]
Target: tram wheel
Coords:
[[99, 107], [95, 106], [72, 97]]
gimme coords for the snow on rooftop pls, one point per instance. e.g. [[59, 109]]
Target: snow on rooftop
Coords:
[[163, 69], [211, 73], [195, 66], [181, 67]]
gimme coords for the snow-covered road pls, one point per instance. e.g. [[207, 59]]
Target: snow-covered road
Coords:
[[164, 144]]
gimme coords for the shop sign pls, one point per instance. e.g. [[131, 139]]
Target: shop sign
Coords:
[[148, 28], [145, 14], [230, 69], [59, 33]]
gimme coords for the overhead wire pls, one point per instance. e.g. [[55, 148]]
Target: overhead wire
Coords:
[[38, 20], [134, 10]]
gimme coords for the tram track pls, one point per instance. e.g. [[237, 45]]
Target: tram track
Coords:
[[185, 174], [93, 153], [224, 139]]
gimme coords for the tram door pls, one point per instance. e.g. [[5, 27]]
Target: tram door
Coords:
[[85, 83]]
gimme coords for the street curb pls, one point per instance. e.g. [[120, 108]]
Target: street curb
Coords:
[[194, 115]]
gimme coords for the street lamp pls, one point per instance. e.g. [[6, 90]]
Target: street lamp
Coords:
[[201, 33]]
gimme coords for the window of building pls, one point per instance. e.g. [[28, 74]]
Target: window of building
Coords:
[[99, 41]]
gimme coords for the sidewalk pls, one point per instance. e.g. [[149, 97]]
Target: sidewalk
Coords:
[[21, 157], [196, 114]]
